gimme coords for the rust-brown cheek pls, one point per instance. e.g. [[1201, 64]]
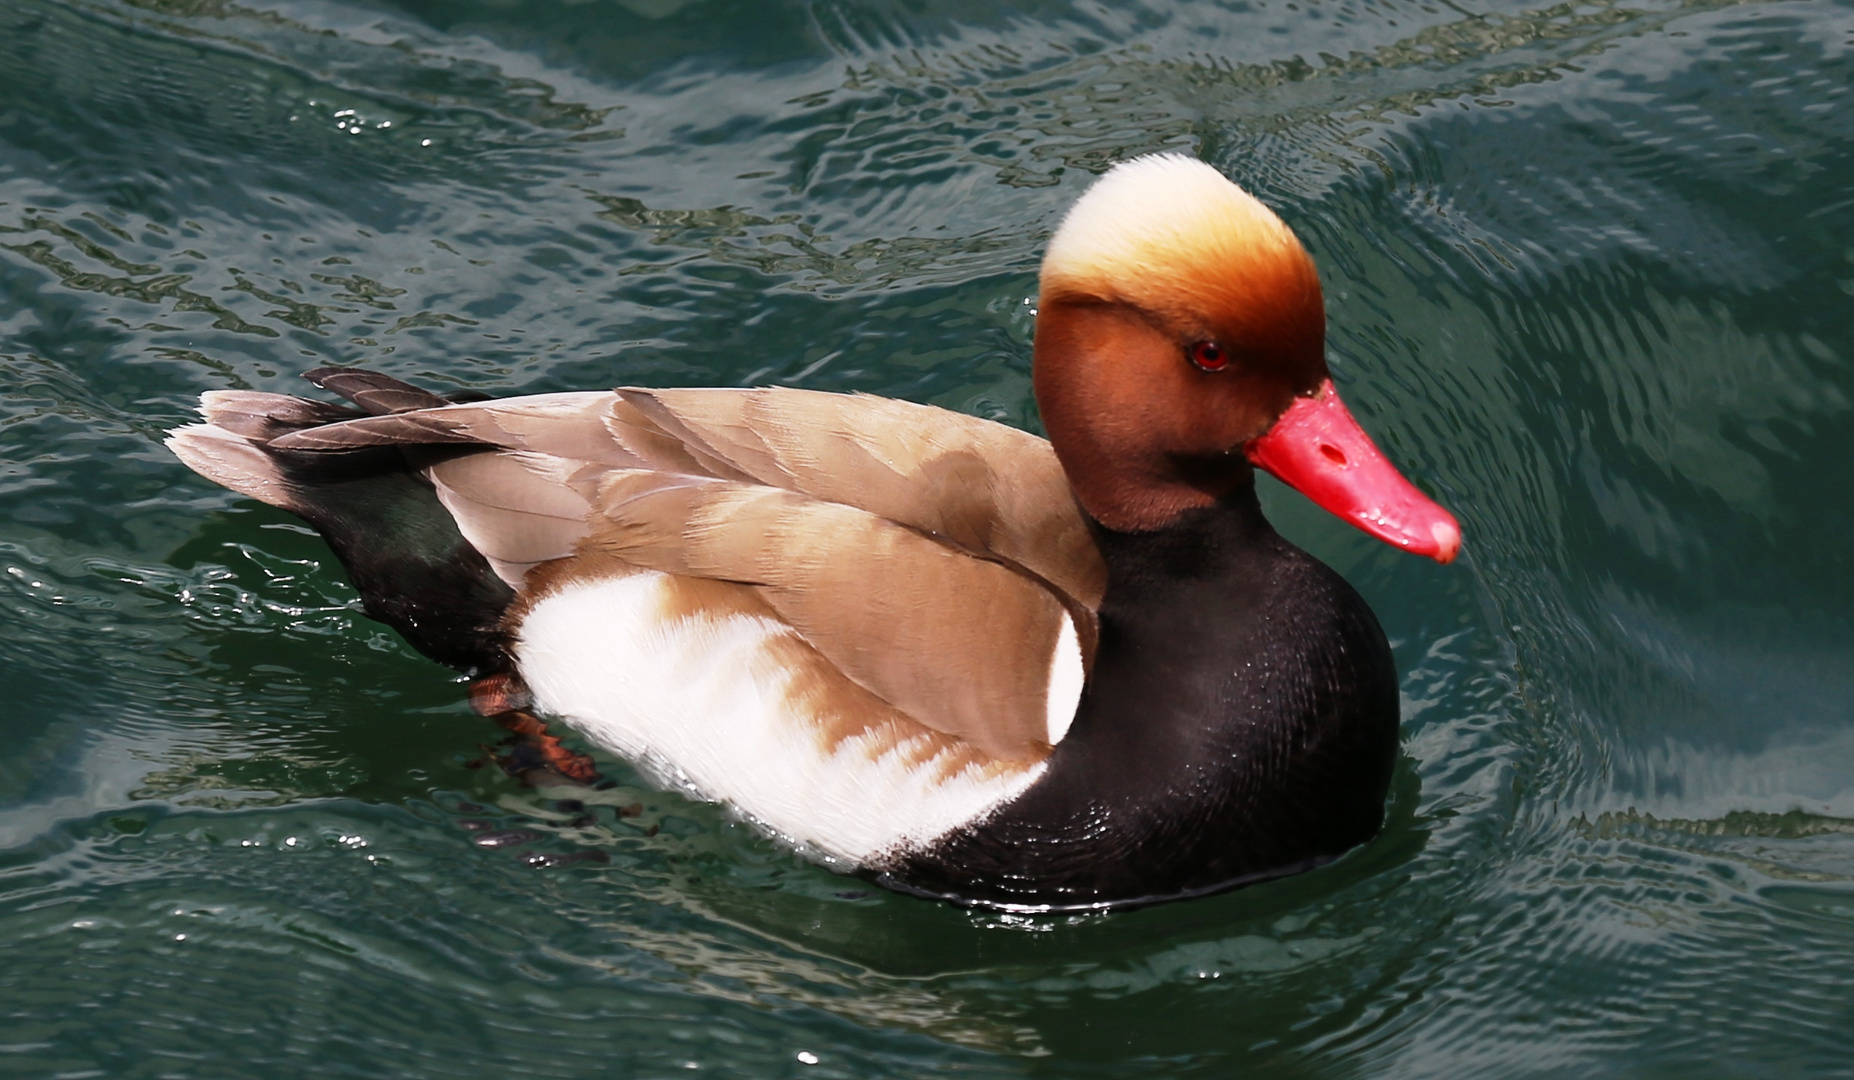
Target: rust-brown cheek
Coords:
[[1143, 434]]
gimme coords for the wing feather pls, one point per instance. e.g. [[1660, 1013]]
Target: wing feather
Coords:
[[866, 593], [854, 518], [983, 486]]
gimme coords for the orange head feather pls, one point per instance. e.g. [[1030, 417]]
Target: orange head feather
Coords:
[[1161, 258]]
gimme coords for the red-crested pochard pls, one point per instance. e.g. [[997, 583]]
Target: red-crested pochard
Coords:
[[941, 652]]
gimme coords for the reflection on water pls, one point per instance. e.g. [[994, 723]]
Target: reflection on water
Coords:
[[1587, 270]]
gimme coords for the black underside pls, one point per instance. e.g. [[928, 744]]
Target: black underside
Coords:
[[414, 570], [1240, 724]]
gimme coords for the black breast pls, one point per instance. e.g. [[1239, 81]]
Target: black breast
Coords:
[[1240, 723]]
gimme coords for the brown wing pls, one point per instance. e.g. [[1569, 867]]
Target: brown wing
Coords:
[[929, 555], [988, 488], [965, 644], [982, 486]]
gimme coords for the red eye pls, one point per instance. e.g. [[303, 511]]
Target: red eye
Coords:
[[1209, 356]]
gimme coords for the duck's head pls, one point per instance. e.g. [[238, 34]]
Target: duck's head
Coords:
[[1180, 340]]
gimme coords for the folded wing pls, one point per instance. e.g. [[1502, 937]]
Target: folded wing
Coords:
[[937, 560]]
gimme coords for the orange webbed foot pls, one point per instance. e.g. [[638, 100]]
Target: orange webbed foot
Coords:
[[531, 753]]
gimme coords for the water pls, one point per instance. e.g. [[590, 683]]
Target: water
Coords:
[[1589, 269]]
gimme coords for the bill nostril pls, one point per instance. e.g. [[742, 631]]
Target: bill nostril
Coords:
[[1333, 454]]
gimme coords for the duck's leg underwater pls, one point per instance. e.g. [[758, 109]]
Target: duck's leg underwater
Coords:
[[532, 754]]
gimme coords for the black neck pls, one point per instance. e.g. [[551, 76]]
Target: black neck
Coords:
[[1240, 721]]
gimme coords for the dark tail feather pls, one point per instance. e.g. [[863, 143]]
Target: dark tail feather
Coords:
[[401, 548], [379, 394]]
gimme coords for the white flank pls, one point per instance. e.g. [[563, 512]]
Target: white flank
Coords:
[[697, 694], [1065, 681]]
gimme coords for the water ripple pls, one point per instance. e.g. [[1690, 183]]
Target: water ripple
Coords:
[[1586, 267]]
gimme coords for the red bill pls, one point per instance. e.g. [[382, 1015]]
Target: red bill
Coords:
[[1317, 449]]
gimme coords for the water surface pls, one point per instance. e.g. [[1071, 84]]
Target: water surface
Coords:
[[1589, 268]]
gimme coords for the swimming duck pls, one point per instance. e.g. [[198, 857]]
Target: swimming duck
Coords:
[[937, 651]]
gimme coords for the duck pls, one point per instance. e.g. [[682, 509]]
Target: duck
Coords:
[[954, 658]]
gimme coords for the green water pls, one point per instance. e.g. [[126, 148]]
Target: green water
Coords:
[[1590, 270]]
